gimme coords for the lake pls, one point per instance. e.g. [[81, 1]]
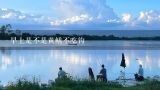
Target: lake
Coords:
[[44, 63]]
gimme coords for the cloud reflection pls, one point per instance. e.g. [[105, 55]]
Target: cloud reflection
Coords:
[[71, 57], [76, 62], [6, 61]]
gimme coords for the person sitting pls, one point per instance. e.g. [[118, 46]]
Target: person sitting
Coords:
[[139, 76], [91, 75], [61, 73], [102, 75]]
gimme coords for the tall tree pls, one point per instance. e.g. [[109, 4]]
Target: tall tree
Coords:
[[5, 28]]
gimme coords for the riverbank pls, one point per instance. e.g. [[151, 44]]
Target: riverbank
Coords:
[[69, 84]]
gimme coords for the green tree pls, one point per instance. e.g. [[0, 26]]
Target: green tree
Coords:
[[5, 28]]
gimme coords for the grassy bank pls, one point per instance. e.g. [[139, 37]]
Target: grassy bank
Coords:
[[68, 84]]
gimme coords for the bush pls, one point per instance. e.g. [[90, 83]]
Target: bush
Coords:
[[24, 84], [60, 88], [65, 82], [70, 84]]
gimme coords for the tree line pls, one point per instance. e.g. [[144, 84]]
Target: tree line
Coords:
[[6, 33]]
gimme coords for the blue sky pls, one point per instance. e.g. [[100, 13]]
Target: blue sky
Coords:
[[45, 6], [84, 14], [133, 6]]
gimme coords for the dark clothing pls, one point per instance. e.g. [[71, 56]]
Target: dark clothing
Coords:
[[138, 77], [103, 72], [91, 75], [102, 78], [103, 75]]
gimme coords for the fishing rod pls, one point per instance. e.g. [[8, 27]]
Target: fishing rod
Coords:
[[126, 73], [98, 60]]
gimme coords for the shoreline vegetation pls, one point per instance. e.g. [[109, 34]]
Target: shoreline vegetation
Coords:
[[6, 34], [70, 84]]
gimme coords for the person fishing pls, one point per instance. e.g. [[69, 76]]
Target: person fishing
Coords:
[[102, 75], [139, 76], [61, 73], [91, 75]]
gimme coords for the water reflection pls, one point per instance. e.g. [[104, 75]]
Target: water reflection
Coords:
[[71, 57], [45, 63]]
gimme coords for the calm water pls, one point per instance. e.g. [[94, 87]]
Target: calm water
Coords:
[[44, 64]]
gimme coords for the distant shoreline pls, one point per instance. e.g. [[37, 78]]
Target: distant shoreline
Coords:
[[7, 36]]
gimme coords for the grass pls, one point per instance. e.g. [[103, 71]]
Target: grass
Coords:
[[69, 84]]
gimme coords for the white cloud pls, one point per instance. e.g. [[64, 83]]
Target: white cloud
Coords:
[[93, 8], [83, 12], [6, 16], [103, 18], [113, 21], [22, 17], [11, 15], [149, 16], [146, 20], [8, 13], [72, 20], [20, 20], [126, 17]]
